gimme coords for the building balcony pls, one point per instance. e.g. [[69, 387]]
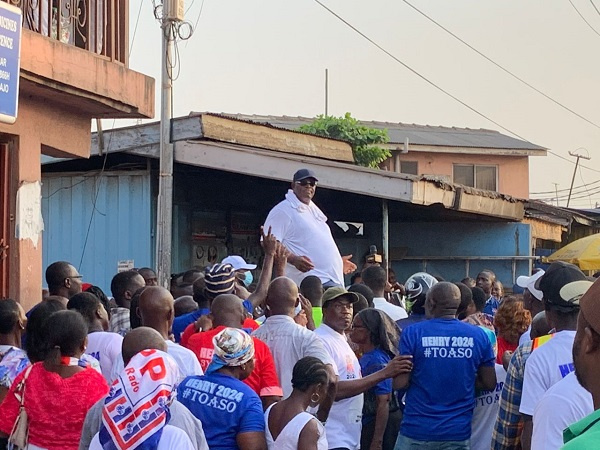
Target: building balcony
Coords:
[[98, 26]]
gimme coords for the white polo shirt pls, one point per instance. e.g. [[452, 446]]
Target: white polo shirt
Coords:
[[546, 366], [304, 231], [344, 422], [562, 405], [289, 343], [395, 312]]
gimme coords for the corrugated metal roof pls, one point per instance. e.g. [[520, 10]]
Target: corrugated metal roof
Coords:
[[416, 134]]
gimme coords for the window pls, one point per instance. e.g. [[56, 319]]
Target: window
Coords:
[[409, 167], [480, 177]]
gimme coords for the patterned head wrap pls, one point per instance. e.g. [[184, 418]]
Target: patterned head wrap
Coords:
[[137, 406], [233, 347]]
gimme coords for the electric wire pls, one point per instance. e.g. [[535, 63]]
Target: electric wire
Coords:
[[433, 84], [582, 180], [137, 21], [583, 18], [498, 65], [595, 7]]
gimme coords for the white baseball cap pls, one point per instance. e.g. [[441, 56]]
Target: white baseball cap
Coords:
[[529, 284], [238, 263]]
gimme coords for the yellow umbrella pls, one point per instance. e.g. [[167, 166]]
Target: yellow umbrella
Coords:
[[584, 252]]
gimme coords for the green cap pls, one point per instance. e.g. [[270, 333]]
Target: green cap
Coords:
[[337, 292]]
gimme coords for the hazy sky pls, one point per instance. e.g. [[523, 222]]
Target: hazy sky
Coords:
[[269, 57]]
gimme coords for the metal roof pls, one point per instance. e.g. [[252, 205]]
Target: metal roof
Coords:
[[416, 134]]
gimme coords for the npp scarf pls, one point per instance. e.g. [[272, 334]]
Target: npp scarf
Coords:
[[137, 406]]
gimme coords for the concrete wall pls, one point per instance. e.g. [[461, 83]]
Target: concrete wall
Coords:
[[513, 171]]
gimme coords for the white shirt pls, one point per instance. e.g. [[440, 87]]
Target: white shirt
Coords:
[[546, 366], [525, 337], [304, 231], [171, 439], [485, 412], [185, 358], [344, 422], [289, 343], [288, 438], [106, 348], [562, 405], [395, 312]]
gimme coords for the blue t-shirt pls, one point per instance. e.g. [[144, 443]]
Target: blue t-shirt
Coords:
[[372, 362], [180, 323], [224, 405], [491, 306], [446, 356]]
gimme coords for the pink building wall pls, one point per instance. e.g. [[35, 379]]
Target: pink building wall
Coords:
[[512, 171]]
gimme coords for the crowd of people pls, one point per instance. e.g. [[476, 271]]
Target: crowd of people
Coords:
[[297, 360]]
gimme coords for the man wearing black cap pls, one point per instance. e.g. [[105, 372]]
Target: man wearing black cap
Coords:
[[553, 361], [302, 228], [344, 423]]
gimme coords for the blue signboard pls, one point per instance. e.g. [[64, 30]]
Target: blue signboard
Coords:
[[10, 56]]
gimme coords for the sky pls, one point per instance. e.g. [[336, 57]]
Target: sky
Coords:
[[269, 57]]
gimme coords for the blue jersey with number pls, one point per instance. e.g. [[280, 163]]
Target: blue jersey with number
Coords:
[[446, 356], [224, 405]]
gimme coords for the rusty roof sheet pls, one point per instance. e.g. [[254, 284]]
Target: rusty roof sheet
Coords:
[[416, 134]]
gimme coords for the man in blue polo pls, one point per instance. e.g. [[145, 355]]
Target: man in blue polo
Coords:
[[450, 360]]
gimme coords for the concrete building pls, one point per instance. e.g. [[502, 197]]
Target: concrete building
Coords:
[[229, 173], [479, 158], [74, 67]]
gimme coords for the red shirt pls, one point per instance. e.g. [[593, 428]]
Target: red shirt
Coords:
[[55, 406], [190, 330], [504, 345], [263, 379]]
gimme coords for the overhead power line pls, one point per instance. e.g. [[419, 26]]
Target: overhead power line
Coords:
[[595, 7], [499, 66], [431, 83], [583, 18]]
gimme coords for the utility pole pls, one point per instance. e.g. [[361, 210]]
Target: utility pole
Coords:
[[556, 190], [576, 155], [326, 92], [172, 11]]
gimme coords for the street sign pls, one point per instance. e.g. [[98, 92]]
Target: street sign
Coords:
[[10, 58]]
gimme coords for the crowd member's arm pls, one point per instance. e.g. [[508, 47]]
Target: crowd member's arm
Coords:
[[270, 244], [527, 432], [326, 404], [486, 378], [349, 388], [381, 419], [281, 256], [253, 440], [307, 308], [309, 436]]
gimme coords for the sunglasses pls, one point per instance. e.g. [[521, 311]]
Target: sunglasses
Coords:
[[306, 183]]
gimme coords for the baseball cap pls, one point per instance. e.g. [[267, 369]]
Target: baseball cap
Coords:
[[590, 307], [336, 292], [219, 279], [573, 291], [529, 284], [303, 174], [238, 263], [556, 277]]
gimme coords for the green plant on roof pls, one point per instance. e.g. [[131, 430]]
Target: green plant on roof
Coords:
[[364, 140]]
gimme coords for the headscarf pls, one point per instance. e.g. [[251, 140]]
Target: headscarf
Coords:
[[137, 406], [232, 347]]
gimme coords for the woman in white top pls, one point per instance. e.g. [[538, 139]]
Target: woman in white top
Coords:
[[288, 425]]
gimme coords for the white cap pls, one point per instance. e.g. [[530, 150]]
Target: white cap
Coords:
[[238, 263], [529, 284]]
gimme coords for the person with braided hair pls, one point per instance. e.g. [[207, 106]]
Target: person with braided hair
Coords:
[[287, 424]]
